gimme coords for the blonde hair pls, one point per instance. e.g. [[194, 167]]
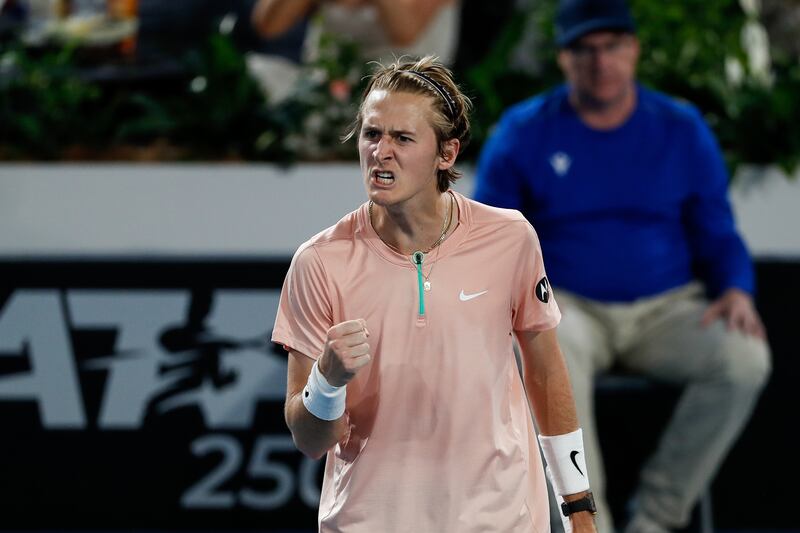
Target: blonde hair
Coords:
[[428, 77]]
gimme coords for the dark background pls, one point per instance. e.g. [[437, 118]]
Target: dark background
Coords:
[[77, 479]]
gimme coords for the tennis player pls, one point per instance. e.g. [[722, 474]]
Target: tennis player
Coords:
[[399, 321]]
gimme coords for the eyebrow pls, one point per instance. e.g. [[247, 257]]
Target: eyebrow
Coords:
[[394, 133]]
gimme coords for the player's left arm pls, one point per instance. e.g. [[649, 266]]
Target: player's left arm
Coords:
[[549, 392], [547, 383]]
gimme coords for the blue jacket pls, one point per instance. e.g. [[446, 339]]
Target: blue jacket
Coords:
[[623, 213]]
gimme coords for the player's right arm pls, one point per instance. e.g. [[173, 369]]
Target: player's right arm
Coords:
[[312, 436], [346, 353]]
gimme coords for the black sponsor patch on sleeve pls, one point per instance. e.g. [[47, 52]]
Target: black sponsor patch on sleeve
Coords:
[[543, 290]]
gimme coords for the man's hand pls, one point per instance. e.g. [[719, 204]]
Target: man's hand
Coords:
[[346, 352], [736, 308]]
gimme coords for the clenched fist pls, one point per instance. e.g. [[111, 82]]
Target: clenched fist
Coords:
[[346, 352]]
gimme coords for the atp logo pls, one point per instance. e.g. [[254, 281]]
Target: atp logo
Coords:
[[154, 351]]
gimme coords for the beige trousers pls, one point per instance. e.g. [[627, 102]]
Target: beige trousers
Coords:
[[723, 373]]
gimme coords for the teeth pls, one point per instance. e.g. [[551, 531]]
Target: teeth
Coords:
[[384, 178]]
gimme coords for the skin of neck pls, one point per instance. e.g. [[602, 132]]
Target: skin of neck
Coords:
[[410, 228]]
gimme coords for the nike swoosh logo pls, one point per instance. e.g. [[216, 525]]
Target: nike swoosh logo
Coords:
[[467, 297], [572, 458]]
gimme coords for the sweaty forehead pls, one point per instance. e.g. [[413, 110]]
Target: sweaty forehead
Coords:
[[382, 105]]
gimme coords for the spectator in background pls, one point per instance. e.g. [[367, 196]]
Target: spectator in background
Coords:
[[628, 191], [383, 28]]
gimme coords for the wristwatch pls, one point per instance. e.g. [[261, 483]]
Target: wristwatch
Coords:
[[584, 504]]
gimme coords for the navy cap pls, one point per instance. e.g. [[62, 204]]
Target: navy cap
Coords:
[[576, 18]]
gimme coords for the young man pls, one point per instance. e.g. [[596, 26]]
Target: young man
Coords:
[[399, 323], [627, 189]]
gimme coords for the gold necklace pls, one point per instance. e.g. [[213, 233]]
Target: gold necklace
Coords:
[[446, 223], [427, 284]]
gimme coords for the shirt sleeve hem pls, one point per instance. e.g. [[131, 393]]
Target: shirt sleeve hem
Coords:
[[291, 343], [540, 326]]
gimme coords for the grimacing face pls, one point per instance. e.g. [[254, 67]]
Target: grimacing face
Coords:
[[601, 67], [398, 148]]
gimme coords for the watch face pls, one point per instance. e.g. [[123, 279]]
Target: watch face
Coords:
[[590, 498]]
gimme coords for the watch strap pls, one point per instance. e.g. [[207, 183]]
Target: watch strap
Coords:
[[583, 504]]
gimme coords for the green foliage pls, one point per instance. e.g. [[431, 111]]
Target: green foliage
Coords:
[[43, 103], [760, 126], [217, 114], [324, 102], [686, 43], [685, 47], [216, 110], [491, 84]]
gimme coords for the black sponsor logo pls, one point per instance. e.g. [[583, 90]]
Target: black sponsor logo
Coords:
[[543, 290], [572, 456]]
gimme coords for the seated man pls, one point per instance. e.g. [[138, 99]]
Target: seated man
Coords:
[[628, 191]]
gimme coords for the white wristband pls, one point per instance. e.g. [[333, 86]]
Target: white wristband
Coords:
[[565, 462], [322, 399]]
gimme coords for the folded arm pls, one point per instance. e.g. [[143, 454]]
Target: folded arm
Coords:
[[405, 20], [272, 18]]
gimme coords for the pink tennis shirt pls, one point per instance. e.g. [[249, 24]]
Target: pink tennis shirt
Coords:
[[440, 434]]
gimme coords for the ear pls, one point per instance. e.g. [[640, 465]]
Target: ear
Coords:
[[449, 154], [636, 49], [563, 60]]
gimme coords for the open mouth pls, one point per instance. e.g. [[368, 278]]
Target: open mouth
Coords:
[[383, 177]]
